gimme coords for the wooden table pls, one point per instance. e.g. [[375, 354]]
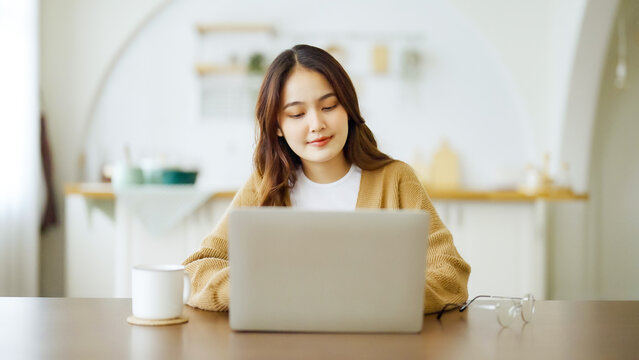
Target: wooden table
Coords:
[[68, 328]]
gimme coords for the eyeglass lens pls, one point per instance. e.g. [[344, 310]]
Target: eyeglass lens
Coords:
[[506, 312], [527, 307]]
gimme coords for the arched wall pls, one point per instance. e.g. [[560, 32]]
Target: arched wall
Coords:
[[583, 90], [614, 172], [574, 254]]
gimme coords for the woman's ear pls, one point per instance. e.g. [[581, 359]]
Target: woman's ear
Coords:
[[279, 132]]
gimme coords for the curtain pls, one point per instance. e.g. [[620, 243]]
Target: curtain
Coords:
[[20, 171]]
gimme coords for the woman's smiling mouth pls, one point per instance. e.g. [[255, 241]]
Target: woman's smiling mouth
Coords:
[[320, 141]]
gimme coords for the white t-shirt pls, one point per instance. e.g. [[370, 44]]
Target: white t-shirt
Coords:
[[338, 195]]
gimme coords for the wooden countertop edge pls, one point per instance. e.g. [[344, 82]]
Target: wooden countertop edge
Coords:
[[502, 196], [106, 193]]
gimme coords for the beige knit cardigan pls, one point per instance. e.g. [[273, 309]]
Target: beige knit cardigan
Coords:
[[394, 186]]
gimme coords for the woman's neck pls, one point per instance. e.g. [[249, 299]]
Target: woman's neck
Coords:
[[328, 171]]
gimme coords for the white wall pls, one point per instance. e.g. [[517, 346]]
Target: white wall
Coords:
[[536, 41], [150, 100], [519, 32]]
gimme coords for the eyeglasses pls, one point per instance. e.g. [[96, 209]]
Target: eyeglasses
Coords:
[[507, 308]]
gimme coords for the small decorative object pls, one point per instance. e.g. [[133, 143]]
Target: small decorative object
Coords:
[[380, 59], [178, 177], [562, 183], [107, 173], [444, 172], [256, 64], [545, 181], [531, 182], [539, 182], [124, 173], [411, 64], [152, 169]]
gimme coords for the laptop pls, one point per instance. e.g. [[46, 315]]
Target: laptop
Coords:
[[322, 271]]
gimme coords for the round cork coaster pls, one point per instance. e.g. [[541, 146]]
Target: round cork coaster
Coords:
[[146, 322]]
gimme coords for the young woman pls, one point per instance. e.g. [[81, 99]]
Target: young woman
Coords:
[[314, 151]]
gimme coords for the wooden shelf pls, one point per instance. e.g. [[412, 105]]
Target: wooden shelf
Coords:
[[209, 69], [235, 27], [105, 191], [100, 191]]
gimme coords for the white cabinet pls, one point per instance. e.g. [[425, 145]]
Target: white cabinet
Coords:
[[104, 240], [504, 242], [89, 250]]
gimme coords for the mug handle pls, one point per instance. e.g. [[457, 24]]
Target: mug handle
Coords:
[[187, 288]]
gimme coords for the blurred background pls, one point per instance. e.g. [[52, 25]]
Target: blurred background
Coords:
[[126, 126]]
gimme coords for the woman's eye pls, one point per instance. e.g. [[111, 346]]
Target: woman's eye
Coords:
[[329, 108], [295, 116]]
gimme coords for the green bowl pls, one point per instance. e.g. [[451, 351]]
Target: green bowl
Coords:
[[178, 177]]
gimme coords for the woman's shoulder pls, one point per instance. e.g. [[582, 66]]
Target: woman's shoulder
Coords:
[[395, 168]]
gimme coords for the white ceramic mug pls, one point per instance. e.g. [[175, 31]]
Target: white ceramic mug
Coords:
[[159, 291]]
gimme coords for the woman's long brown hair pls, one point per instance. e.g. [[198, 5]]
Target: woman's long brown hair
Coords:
[[274, 160]]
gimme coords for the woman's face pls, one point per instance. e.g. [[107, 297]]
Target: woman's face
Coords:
[[311, 119]]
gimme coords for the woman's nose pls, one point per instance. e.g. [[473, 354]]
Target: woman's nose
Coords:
[[317, 122]]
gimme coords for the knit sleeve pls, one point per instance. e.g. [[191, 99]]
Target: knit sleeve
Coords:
[[447, 273], [208, 267]]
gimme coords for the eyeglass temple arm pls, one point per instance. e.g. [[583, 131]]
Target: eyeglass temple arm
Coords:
[[445, 308], [463, 307]]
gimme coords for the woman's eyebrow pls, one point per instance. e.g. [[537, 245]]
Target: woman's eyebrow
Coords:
[[293, 103], [326, 96]]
